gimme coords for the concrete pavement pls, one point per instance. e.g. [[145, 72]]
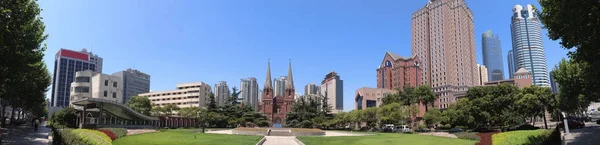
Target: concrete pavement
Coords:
[[280, 140], [589, 135], [24, 135]]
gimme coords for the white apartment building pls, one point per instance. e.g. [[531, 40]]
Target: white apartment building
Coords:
[[186, 95], [89, 84]]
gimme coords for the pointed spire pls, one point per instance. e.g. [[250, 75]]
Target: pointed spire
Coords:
[[268, 78], [290, 80]]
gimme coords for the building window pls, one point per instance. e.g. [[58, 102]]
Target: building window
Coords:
[[105, 93], [114, 94], [105, 82], [115, 84]]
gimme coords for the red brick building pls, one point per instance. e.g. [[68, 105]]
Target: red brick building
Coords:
[[275, 107], [396, 71]]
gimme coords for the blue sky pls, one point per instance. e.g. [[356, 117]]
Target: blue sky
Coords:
[[213, 40]]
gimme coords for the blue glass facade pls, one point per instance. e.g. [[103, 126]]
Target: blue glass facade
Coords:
[[511, 64], [492, 56], [528, 50]]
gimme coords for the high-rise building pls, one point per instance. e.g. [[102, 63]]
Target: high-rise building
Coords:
[[312, 89], [553, 84], [186, 95], [134, 82], [249, 92], [483, 74], [66, 63], [511, 64], [279, 85], [332, 88], [89, 84], [443, 39], [221, 93], [276, 107], [528, 49], [492, 55]]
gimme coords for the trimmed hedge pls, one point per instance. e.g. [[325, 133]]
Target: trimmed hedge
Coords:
[[92, 137], [119, 132], [527, 137], [108, 133], [79, 137]]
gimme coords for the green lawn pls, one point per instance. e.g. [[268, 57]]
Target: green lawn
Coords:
[[186, 137], [384, 139]]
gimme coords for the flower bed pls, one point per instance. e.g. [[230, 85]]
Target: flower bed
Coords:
[[485, 138], [468, 135], [108, 133], [119, 132], [251, 129]]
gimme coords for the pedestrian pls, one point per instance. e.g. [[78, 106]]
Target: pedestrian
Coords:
[[35, 127]]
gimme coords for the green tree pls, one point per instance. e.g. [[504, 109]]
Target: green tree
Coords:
[[212, 104], [190, 112], [575, 24], [535, 101], [140, 104], [571, 94], [426, 95], [169, 109], [392, 113], [433, 116], [459, 114], [390, 98], [64, 117], [21, 53], [303, 111]]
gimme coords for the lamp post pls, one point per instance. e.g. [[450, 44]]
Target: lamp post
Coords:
[[201, 124]]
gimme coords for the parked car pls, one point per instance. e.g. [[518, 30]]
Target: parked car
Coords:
[[405, 128], [572, 124], [456, 129]]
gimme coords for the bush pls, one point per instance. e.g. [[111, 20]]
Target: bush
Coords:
[[92, 137], [422, 126], [527, 127], [108, 133], [521, 137], [119, 132], [64, 117], [444, 127], [468, 135]]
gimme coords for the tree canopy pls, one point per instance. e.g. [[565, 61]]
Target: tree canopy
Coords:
[[140, 104]]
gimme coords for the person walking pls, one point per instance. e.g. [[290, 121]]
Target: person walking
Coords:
[[35, 126]]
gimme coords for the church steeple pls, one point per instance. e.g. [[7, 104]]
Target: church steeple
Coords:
[[268, 78], [290, 80]]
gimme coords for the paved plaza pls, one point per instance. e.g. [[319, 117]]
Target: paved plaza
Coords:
[[584, 136], [24, 135]]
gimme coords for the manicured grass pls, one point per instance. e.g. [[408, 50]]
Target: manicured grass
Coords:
[[186, 137], [384, 139]]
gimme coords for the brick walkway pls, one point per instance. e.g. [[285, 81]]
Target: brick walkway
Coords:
[[24, 135]]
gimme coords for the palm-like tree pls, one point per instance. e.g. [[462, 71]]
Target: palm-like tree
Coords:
[[425, 95]]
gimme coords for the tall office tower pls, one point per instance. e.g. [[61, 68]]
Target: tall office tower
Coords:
[[279, 85], [221, 93], [332, 88], [312, 89], [134, 82], [443, 39], [492, 55], [483, 74], [66, 63], [553, 84], [511, 64], [527, 44], [249, 92]]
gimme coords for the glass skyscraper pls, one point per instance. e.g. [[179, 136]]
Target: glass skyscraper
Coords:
[[511, 64], [492, 56], [528, 50], [66, 63]]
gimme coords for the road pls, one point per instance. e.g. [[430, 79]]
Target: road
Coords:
[[589, 135], [24, 135]]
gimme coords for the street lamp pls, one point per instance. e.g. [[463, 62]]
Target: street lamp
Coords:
[[198, 113]]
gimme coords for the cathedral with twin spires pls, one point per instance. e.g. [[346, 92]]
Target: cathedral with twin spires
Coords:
[[276, 107]]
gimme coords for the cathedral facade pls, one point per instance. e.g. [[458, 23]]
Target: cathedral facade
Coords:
[[276, 107]]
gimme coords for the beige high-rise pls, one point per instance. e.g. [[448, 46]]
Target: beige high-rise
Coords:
[[443, 38], [483, 74]]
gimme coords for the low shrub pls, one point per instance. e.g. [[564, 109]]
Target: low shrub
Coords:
[[92, 137], [468, 135], [527, 127], [251, 129], [444, 127], [521, 137], [108, 133], [119, 132], [305, 130]]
